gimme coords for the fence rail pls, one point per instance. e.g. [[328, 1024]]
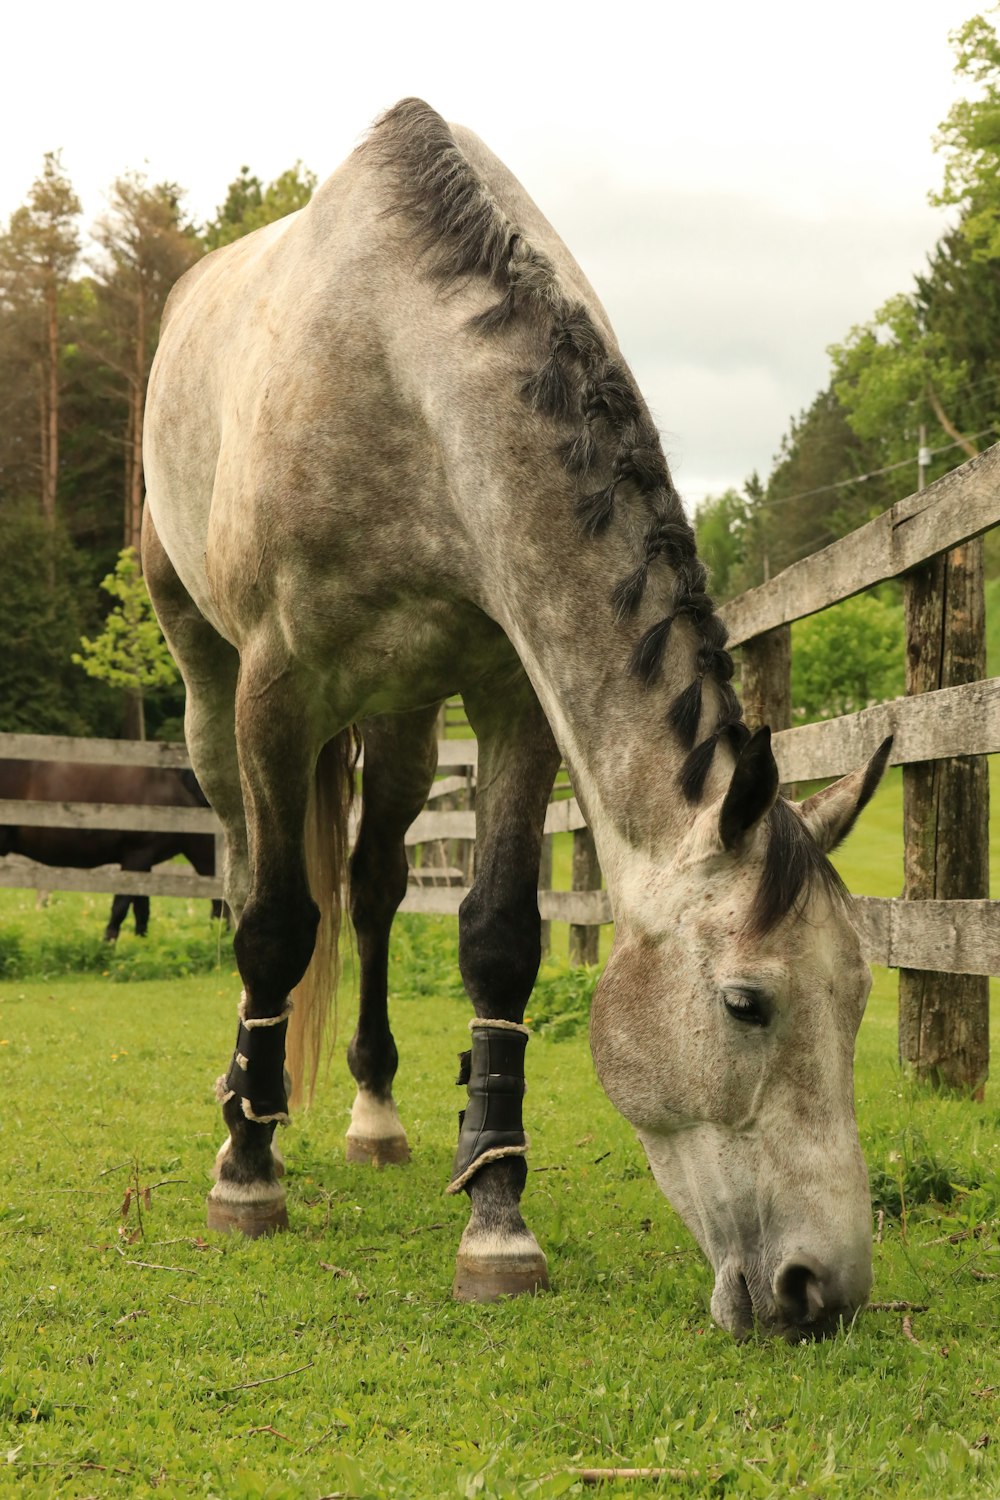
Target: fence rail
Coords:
[[952, 510], [944, 934], [434, 887]]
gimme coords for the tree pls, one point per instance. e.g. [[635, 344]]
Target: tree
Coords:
[[969, 139], [146, 245], [721, 524], [45, 605], [130, 653], [896, 376], [38, 252], [249, 205]]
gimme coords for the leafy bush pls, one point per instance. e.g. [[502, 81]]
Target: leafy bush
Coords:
[[67, 937], [847, 657]]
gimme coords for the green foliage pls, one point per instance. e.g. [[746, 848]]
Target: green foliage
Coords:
[[912, 1172], [44, 607], [130, 652], [249, 205], [722, 526], [66, 936], [847, 657], [970, 139], [895, 372], [560, 1001]]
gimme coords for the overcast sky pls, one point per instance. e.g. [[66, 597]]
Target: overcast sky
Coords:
[[741, 182]]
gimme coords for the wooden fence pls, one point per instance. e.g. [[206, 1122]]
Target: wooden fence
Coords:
[[439, 842], [944, 934]]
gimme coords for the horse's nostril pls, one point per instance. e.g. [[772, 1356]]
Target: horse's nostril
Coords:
[[799, 1289]]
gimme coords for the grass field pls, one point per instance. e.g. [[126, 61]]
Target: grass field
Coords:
[[142, 1356]]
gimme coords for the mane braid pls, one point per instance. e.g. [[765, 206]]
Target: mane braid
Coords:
[[464, 233]]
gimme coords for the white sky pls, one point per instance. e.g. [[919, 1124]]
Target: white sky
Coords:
[[741, 182]]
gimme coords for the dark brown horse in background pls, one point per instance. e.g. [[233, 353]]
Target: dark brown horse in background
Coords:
[[87, 848]]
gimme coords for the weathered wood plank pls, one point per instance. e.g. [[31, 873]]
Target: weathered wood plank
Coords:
[[955, 937], [93, 752], [447, 786], [962, 720], [109, 880], [564, 816], [458, 753], [441, 825], [441, 900], [766, 679], [108, 815], [580, 907], [583, 937], [956, 507], [944, 1017]]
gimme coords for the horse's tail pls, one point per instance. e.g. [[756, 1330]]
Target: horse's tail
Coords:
[[327, 856]]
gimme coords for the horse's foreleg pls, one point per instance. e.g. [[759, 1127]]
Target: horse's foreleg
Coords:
[[400, 760], [140, 915], [499, 954]]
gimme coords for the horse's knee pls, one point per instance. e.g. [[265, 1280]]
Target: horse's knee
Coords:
[[499, 945]]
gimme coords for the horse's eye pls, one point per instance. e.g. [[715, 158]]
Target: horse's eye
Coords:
[[748, 1006]]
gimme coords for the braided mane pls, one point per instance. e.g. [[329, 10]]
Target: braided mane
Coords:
[[610, 444]]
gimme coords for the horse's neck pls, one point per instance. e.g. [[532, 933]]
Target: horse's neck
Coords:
[[624, 759]]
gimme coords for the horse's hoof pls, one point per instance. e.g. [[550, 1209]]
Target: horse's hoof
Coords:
[[378, 1151], [251, 1219], [487, 1278]]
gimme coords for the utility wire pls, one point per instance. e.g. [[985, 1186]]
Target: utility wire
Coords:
[[904, 463]]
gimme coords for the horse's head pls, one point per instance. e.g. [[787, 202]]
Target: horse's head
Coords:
[[723, 1028]]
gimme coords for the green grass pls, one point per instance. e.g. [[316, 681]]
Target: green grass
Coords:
[[118, 1378]]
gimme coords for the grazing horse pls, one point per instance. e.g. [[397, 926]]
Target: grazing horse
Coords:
[[86, 848], [393, 452]]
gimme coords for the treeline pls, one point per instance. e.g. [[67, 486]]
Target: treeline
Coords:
[[79, 322], [921, 377], [924, 371]]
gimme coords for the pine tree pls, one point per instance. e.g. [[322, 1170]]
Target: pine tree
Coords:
[[38, 252]]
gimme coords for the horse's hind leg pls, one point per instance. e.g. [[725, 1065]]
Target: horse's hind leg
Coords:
[[499, 954], [400, 760]]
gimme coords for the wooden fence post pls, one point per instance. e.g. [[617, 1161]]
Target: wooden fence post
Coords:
[[584, 940], [944, 1018], [545, 884], [766, 679]]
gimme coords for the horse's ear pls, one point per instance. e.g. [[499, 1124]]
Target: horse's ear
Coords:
[[752, 791], [831, 814]]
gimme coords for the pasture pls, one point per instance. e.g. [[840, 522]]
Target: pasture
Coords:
[[143, 1356]]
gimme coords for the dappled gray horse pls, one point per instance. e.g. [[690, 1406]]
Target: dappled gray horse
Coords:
[[393, 453]]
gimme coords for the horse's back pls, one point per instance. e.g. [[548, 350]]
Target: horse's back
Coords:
[[320, 415]]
